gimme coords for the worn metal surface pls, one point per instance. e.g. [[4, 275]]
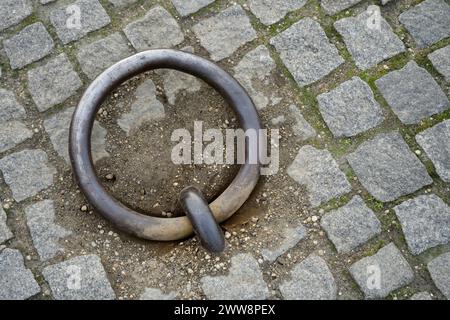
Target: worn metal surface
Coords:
[[140, 225], [202, 219]]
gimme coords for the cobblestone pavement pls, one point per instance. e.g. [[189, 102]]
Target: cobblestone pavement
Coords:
[[359, 209]]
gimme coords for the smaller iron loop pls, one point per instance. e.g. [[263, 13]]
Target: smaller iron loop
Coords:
[[205, 226]]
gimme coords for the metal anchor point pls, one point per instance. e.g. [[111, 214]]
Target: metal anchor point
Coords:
[[201, 217], [205, 226]]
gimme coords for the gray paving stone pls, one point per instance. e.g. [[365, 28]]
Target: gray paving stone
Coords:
[[368, 45], [122, 3], [382, 273], [187, 7], [320, 173], [311, 279], [145, 108], [412, 93], [97, 56], [253, 72], [439, 269], [435, 143], [332, 7], [44, 231], [157, 29], [301, 127], [5, 233], [157, 294], [272, 11], [441, 61], [425, 221], [421, 296], [12, 133], [290, 237], [31, 44], [225, 32], [80, 278], [244, 281], [427, 22], [11, 109], [76, 20], [27, 172], [53, 83], [350, 108], [58, 125], [13, 12], [306, 51], [16, 281], [351, 225], [387, 168], [175, 81]]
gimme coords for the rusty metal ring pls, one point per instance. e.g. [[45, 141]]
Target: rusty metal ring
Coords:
[[130, 221]]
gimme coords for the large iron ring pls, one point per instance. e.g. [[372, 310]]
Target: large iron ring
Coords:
[[140, 225]]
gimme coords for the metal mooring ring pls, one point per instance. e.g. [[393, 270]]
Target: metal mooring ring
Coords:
[[130, 221]]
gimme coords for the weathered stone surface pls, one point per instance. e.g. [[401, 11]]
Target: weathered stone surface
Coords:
[[412, 93], [10, 109], [311, 279], [27, 172], [12, 133], [382, 273], [439, 269], [225, 32], [351, 225], [145, 108], [253, 72], [244, 281], [425, 221], [53, 83], [175, 81], [427, 22], [441, 61], [369, 44], [306, 51], [187, 7], [435, 142], [350, 108], [16, 281], [157, 29], [29, 45], [287, 240], [157, 294], [5, 233], [334, 6], [58, 125], [271, 11], [320, 173], [13, 12], [99, 55], [122, 3], [301, 127], [80, 278], [421, 296], [387, 168], [76, 20], [44, 232]]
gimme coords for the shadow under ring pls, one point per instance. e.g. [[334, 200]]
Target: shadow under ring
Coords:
[[124, 218]]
